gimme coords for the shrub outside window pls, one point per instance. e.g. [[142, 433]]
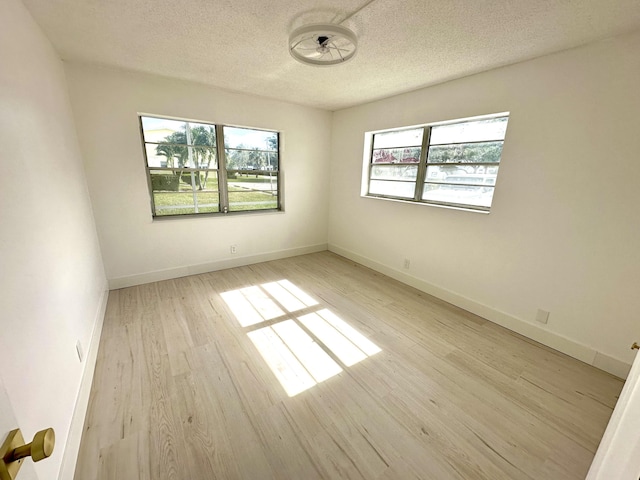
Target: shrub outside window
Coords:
[[452, 164], [202, 168]]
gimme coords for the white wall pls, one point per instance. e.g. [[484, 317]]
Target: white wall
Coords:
[[563, 233], [52, 284], [137, 249]]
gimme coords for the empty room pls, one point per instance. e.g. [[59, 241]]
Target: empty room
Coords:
[[368, 239]]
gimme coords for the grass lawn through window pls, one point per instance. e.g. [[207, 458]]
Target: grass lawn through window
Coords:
[[248, 192]]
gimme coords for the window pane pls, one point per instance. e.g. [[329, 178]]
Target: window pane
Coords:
[[163, 130], [397, 155], [474, 131], [399, 138], [202, 134], [164, 180], [203, 157], [183, 181], [248, 182], [206, 181], [171, 156], [478, 174], [272, 161], [488, 152], [208, 201], [173, 203], [246, 138], [252, 192], [181, 203], [440, 173], [394, 172], [458, 194], [392, 189], [251, 200], [190, 180], [187, 180], [251, 160], [177, 156]]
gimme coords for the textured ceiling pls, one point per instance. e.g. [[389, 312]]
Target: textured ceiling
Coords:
[[241, 45]]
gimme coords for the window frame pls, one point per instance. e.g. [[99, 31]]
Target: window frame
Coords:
[[221, 171], [421, 176]]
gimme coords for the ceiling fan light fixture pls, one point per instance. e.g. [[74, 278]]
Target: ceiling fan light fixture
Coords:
[[323, 44]]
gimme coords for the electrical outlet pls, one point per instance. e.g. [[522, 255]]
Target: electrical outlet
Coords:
[[79, 351], [406, 264], [233, 249], [542, 316]]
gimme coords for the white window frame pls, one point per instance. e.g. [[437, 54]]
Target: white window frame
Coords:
[[423, 164]]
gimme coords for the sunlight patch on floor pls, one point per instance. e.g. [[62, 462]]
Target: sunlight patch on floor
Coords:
[[300, 350], [359, 340], [241, 308], [284, 296], [284, 364], [296, 360], [340, 337]]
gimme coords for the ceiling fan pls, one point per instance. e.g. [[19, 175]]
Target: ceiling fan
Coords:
[[323, 44]]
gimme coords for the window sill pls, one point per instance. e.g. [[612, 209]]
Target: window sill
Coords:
[[438, 205], [218, 215]]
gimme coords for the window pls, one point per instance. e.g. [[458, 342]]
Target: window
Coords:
[[454, 164], [201, 168]]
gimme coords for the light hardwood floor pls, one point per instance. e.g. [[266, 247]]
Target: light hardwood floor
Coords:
[[182, 392]]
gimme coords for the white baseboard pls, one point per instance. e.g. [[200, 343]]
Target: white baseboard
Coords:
[[70, 454], [612, 365], [556, 341], [169, 273]]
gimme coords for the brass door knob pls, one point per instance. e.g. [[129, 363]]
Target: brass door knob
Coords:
[[635, 346], [40, 448], [13, 450]]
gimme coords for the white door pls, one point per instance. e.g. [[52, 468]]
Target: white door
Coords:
[[7, 423], [618, 456]]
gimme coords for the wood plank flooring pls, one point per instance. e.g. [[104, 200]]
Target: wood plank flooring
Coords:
[[181, 390]]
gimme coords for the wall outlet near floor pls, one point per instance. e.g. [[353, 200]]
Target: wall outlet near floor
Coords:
[[233, 249], [79, 351], [406, 264], [542, 316]]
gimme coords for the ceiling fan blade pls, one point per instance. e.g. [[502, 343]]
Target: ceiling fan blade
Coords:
[[333, 47]]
